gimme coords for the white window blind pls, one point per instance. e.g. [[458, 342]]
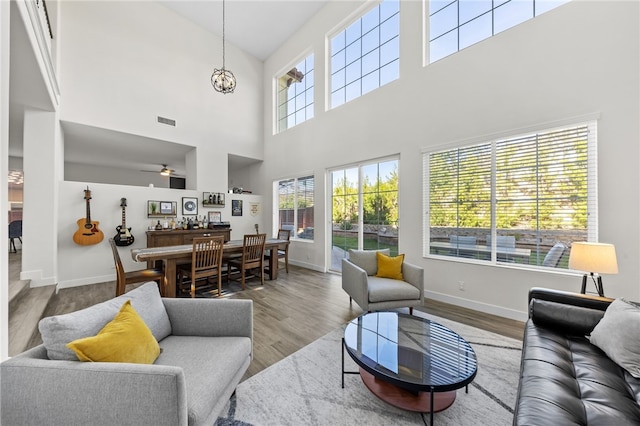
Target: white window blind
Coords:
[[513, 199]]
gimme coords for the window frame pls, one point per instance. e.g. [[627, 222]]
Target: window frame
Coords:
[[347, 24], [465, 22], [277, 78], [591, 122], [360, 195], [296, 190]]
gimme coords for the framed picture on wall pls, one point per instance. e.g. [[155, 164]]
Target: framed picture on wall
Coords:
[[215, 217], [189, 206], [162, 208], [236, 207]]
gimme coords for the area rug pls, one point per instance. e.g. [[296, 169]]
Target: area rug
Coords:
[[305, 388]]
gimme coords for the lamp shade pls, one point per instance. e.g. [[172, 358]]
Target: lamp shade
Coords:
[[593, 257]]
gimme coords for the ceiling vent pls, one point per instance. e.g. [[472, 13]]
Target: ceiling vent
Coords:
[[167, 121]]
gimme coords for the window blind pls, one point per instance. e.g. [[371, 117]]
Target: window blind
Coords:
[[525, 193]]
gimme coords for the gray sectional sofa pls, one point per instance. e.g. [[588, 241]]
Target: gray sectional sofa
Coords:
[[206, 347]]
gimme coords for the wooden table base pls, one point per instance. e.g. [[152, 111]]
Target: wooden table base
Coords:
[[405, 399]]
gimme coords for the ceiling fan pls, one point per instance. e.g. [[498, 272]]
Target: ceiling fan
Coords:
[[164, 171]]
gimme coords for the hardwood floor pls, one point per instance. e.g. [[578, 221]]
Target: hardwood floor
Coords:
[[290, 312]]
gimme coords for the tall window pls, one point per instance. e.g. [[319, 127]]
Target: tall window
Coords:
[[295, 206], [523, 199], [365, 55], [364, 209], [294, 98], [456, 24]]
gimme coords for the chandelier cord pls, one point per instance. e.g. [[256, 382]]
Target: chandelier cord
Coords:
[[223, 50]]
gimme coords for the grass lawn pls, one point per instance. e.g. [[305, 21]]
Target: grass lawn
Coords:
[[347, 243]]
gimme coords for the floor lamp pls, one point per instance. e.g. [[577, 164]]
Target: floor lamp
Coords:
[[596, 258]]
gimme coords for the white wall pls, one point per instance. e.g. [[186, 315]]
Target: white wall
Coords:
[[123, 64], [42, 169], [101, 174], [80, 265], [581, 58]]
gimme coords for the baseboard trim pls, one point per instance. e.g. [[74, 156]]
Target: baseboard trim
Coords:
[[478, 306], [85, 281], [36, 278], [306, 266]]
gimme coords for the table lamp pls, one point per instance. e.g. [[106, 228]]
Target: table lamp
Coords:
[[599, 258]]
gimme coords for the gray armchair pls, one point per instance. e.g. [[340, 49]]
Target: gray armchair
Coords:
[[373, 293]]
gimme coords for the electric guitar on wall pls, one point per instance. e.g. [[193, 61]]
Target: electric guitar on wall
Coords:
[[123, 234], [88, 232]]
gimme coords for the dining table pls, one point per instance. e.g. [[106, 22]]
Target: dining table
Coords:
[[171, 255]]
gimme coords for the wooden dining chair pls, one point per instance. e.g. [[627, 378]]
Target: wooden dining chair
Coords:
[[252, 257], [141, 276], [283, 249], [206, 262]]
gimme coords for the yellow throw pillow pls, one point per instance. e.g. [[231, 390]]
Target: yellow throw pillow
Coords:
[[390, 267], [125, 339]]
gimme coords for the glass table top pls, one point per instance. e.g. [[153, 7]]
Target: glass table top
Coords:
[[409, 351]]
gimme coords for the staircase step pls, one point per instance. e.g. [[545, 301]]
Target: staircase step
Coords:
[[25, 311], [17, 287]]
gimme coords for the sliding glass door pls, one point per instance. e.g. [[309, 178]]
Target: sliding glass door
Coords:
[[364, 209]]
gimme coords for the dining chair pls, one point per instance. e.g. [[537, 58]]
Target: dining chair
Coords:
[[206, 262], [133, 277], [252, 257], [283, 249], [15, 231]]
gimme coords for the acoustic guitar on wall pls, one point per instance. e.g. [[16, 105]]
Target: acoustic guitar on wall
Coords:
[[123, 234], [88, 232]]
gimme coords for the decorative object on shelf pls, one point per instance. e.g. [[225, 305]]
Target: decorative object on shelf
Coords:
[[162, 208], [236, 207], [599, 258], [215, 217], [237, 190], [189, 206], [88, 232], [123, 235], [213, 199], [222, 79]]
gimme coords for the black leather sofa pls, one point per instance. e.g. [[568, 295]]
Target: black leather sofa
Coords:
[[564, 379]]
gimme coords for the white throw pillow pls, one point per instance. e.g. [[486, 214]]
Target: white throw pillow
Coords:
[[618, 335]]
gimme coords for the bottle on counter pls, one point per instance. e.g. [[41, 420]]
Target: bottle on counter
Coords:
[[158, 226]]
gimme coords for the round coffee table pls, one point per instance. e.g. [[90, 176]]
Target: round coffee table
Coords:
[[410, 362]]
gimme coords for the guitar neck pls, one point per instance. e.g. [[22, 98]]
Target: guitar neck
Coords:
[[124, 219], [88, 212]]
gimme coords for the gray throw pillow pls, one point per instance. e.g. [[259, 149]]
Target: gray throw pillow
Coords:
[[59, 330], [618, 335], [366, 259]]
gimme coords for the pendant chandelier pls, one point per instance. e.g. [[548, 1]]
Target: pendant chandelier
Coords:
[[222, 79]]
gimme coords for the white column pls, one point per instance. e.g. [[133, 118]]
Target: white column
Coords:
[[42, 169], [4, 185]]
